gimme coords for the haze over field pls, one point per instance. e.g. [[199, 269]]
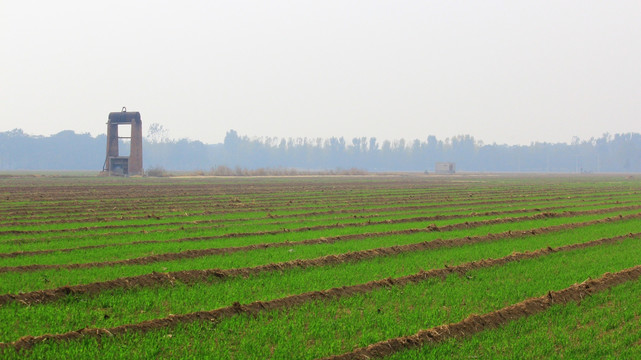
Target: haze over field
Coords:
[[501, 71], [70, 151]]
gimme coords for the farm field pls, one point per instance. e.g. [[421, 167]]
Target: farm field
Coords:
[[398, 267]]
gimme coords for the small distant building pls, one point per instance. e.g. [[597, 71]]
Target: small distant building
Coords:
[[115, 164], [445, 168]]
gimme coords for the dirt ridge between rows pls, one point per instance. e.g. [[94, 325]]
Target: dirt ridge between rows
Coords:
[[422, 218], [192, 276], [476, 323], [337, 292], [190, 254]]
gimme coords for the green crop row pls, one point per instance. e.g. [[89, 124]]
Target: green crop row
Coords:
[[129, 250], [333, 326], [333, 204], [116, 307], [248, 218], [30, 242], [602, 326], [151, 225], [245, 205], [12, 282], [262, 217]]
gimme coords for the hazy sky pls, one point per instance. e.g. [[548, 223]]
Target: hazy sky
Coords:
[[503, 71]]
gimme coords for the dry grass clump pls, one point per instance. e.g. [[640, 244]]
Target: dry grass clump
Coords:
[[156, 171]]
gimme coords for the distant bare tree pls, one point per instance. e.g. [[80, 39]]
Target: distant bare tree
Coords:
[[157, 133]]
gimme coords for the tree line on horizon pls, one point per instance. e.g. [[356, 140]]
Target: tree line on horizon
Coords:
[[68, 150]]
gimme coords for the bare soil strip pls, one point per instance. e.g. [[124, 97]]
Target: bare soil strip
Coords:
[[470, 325], [475, 323], [192, 276], [190, 254]]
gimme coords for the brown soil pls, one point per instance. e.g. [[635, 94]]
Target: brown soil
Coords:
[[468, 326], [188, 254]]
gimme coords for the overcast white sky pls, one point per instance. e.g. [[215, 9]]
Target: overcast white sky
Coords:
[[502, 71]]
